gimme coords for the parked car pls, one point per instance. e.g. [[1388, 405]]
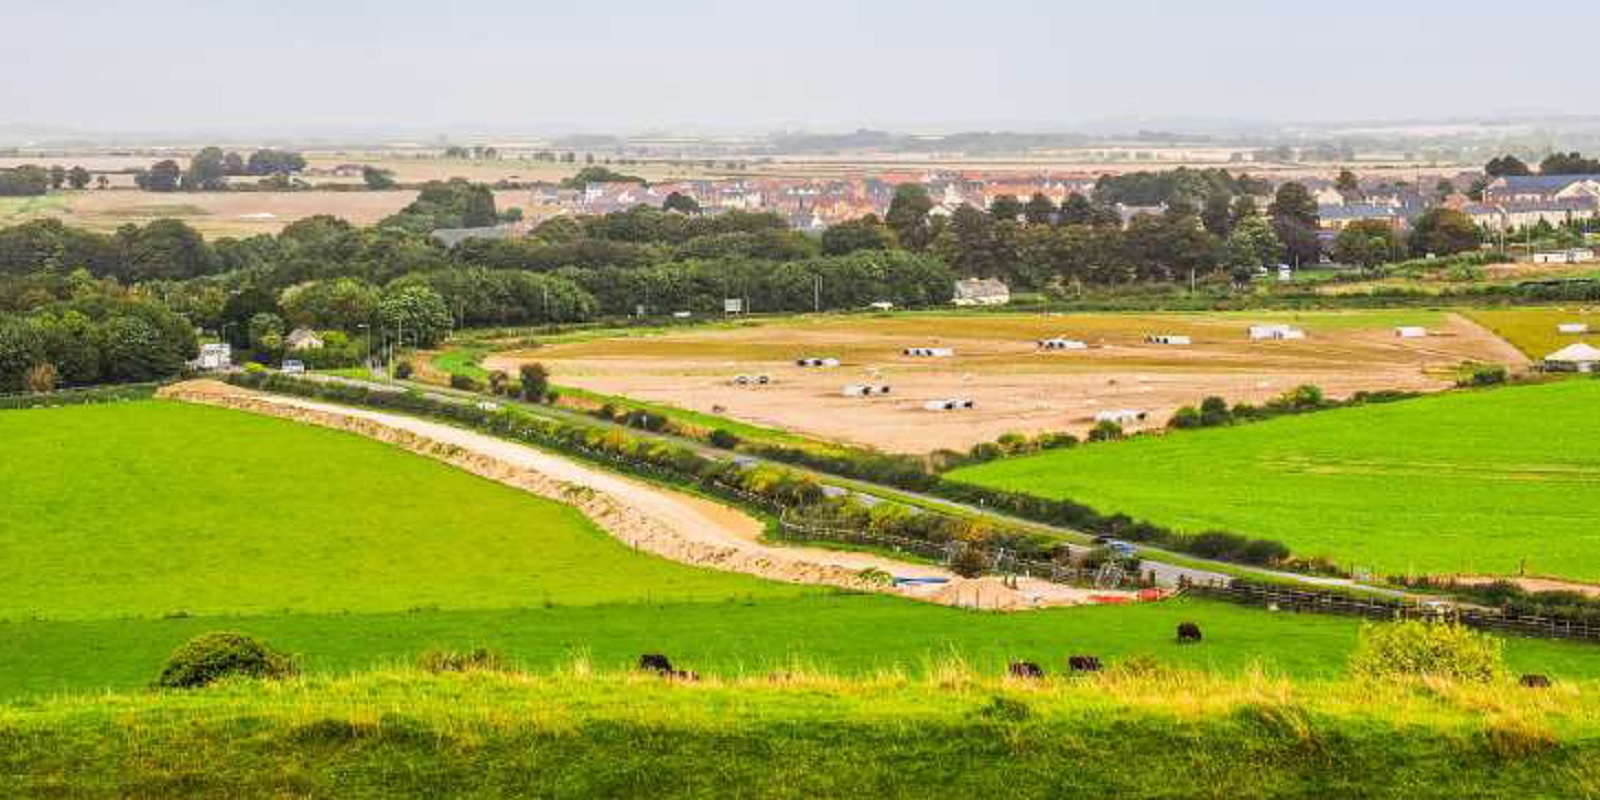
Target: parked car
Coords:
[[292, 367]]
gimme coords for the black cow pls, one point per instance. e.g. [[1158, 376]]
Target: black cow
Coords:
[[1188, 632], [1083, 663], [682, 675], [655, 662], [1025, 669], [1535, 681]]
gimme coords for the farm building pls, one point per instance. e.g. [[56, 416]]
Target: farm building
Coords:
[[1167, 338], [1577, 255], [952, 404], [929, 352], [981, 292], [1580, 357], [1410, 332], [1062, 344], [1121, 416], [215, 356], [1573, 327], [816, 362], [303, 339], [1271, 332], [881, 305], [864, 390]]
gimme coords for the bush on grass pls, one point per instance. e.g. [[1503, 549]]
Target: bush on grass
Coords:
[[213, 656], [1415, 649]]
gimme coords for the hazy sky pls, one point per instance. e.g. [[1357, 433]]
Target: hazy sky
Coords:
[[631, 65]]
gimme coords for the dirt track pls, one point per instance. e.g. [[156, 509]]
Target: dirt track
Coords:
[[670, 524]]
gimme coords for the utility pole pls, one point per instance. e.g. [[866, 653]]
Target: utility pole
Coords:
[[816, 293]]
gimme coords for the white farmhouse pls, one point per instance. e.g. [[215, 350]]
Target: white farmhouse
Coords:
[[981, 292]]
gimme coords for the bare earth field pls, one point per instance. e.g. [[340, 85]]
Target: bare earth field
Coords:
[[222, 213], [1015, 386]]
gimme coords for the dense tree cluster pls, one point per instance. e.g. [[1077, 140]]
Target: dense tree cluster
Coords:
[[102, 335]]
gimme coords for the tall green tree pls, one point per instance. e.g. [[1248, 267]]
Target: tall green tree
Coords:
[[1039, 210], [1295, 220], [1365, 243], [908, 216], [1444, 231], [1005, 208]]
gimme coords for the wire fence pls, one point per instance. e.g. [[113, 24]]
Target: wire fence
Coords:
[[1284, 599]]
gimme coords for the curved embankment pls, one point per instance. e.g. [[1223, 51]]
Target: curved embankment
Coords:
[[671, 524]]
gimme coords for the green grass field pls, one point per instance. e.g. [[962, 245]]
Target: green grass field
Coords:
[[156, 508], [1469, 482], [142, 524], [955, 735]]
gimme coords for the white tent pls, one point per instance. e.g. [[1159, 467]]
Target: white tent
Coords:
[[1410, 332], [1121, 416], [1276, 332], [1580, 357], [1062, 344], [1573, 327]]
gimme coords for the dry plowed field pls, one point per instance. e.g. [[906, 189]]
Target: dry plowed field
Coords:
[[1014, 385]]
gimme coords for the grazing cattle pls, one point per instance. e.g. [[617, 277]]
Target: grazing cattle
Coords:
[[655, 662], [682, 675], [1535, 681], [1188, 632], [1084, 663], [1025, 669]]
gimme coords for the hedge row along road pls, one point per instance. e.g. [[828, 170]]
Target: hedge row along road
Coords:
[[1168, 567], [671, 524]]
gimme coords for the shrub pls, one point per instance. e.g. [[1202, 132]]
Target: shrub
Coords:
[[535, 380], [1184, 418], [1105, 431], [726, 440], [1214, 411], [255, 368], [212, 656], [403, 370], [459, 381], [479, 659], [970, 561], [40, 378], [1426, 649], [498, 382], [1485, 375]]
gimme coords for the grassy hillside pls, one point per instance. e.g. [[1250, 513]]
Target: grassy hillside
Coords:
[[144, 524], [155, 508], [1466, 482], [955, 735]]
